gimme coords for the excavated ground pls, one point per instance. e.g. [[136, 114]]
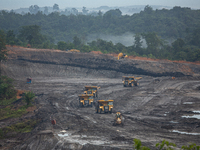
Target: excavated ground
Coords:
[[160, 108]]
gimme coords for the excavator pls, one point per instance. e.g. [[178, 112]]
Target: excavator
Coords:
[[130, 81], [122, 55], [118, 119]]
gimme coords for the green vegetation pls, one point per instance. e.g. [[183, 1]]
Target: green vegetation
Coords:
[[164, 145], [11, 110], [7, 91], [22, 127], [155, 27], [3, 51], [29, 96]]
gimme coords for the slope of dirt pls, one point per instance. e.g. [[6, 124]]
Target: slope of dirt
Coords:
[[160, 108], [98, 62]]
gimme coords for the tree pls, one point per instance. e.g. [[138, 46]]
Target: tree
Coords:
[[34, 9], [46, 12], [113, 13], [74, 11], [7, 90], [77, 41], [29, 96], [85, 11], [31, 34], [62, 45], [137, 42], [3, 51], [55, 7]]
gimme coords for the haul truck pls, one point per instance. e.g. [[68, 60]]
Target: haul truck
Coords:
[[86, 100], [91, 90], [104, 106], [130, 81]]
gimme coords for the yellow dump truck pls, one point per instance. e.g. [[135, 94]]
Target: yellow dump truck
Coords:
[[118, 119], [104, 106], [130, 81], [122, 55], [86, 100], [91, 90]]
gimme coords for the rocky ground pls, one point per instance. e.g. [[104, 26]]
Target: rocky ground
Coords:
[[160, 108]]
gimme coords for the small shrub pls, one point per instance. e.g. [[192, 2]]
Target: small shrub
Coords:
[[29, 96]]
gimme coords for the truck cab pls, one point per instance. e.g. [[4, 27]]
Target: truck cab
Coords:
[[86, 100], [104, 106]]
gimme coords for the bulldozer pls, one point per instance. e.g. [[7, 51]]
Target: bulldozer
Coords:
[[118, 119], [86, 100], [104, 106], [130, 81], [122, 55], [91, 90]]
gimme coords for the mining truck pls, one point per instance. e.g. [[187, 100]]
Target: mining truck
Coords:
[[130, 81], [104, 106], [86, 100], [118, 119], [122, 55], [91, 90]]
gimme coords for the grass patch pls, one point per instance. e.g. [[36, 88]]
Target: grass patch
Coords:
[[11, 112], [6, 102], [22, 127]]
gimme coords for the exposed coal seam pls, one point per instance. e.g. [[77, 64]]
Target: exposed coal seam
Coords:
[[124, 68]]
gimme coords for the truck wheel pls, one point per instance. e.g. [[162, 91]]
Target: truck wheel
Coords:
[[100, 111], [132, 84], [111, 111], [80, 104], [96, 110], [136, 83], [91, 104], [124, 85]]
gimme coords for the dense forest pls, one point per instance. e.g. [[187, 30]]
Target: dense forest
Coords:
[[152, 26]]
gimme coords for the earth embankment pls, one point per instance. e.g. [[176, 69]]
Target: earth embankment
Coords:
[[40, 62]]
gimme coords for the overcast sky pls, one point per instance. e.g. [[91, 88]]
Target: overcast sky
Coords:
[[15, 4]]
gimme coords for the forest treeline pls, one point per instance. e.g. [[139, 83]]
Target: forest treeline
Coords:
[[67, 32]]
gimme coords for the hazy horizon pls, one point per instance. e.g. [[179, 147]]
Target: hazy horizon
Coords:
[[16, 4]]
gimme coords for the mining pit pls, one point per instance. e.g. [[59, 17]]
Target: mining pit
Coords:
[[160, 108]]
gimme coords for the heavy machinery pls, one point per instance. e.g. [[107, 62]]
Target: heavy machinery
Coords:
[[91, 90], [86, 100], [122, 55], [118, 119], [130, 81], [105, 106]]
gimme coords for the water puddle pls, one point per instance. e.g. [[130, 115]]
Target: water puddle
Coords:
[[173, 122], [188, 103], [185, 132], [82, 139], [193, 116], [196, 111]]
